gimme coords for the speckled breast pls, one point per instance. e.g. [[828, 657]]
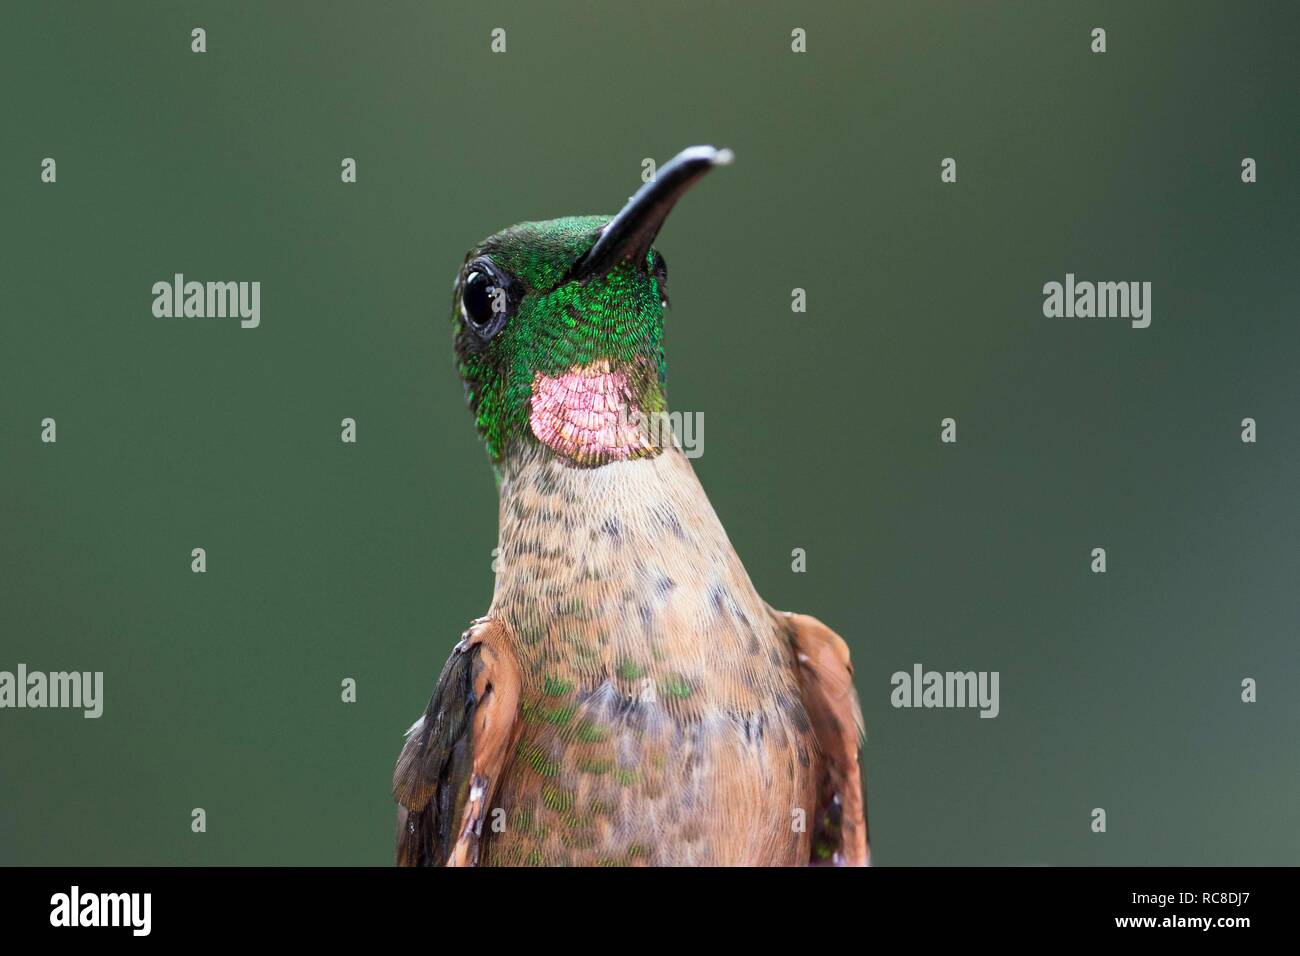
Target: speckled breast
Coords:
[[661, 720]]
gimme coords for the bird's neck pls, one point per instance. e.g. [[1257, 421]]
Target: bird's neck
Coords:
[[618, 568]]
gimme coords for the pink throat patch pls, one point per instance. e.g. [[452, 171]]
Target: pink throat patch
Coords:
[[589, 414]]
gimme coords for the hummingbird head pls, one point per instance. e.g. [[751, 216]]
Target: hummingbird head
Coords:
[[559, 327]]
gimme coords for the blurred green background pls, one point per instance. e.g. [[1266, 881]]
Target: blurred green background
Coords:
[[328, 561]]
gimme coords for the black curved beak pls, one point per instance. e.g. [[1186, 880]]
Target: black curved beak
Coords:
[[628, 236]]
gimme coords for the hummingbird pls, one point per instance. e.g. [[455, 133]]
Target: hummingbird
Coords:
[[628, 699]]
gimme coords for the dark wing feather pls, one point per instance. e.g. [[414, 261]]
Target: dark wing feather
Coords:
[[454, 755]]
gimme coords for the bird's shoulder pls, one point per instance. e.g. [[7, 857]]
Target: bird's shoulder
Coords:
[[825, 673], [456, 752]]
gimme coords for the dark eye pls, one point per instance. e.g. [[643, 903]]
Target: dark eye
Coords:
[[660, 271], [485, 298], [478, 298]]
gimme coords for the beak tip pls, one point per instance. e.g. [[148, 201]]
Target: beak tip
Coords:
[[627, 237]]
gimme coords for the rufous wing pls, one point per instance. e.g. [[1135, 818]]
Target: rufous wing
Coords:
[[454, 755], [826, 684]]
